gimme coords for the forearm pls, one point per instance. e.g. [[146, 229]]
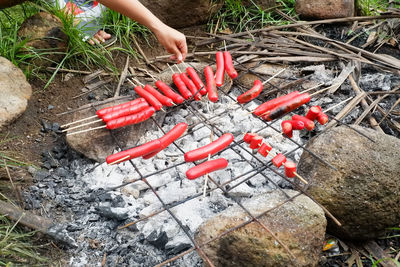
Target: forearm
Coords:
[[136, 11]]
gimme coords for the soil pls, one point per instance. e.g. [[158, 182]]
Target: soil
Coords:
[[30, 141]]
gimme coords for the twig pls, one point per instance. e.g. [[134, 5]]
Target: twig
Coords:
[[148, 63], [364, 104], [93, 87], [300, 24], [123, 77]]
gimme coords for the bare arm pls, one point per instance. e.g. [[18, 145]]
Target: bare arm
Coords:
[[172, 40]]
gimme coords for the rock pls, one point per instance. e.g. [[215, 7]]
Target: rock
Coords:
[[364, 192], [15, 92], [263, 4], [99, 144], [325, 9], [44, 32], [268, 70], [179, 14], [300, 224]]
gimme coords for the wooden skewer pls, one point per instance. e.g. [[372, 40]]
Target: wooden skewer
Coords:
[[320, 91], [274, 76], [87, 130], [338, 104], [78, 121], [120, 160], [82, 125], [312, 88], [300, 178], [179, 70], [295, 173]]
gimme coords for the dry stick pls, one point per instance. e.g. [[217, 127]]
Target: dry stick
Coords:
[[92, 76], [364, 104], [9, 177], [368, 110], [93, 87], [299, 24], [143, 54], [390, 110], [123, 77], [382, 59], [347, 109], [81, 125], [78, 121], [77, 71]]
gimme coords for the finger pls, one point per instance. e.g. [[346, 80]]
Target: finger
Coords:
[[104, 34], [173, 57], [91, 42], [183, 48], [177, 53]]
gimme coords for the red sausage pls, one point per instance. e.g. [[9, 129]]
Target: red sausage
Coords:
[[135, 152], [256, 142], [211, 86], [166, 101], [125, 112], [177, 98], [197, 81], [101, 112], [230, 69], [287, 128], [181, 86], [287, 107], [312, 114], [219, 74], [264, 149], [131, 119], [322, 118], [290, 169], [296, 125], [206, 167], [278, 160], [189, 84], [248, 137], [210, 149], [308, 124], [169, 138], [252, 93], [149, 97], [273, 103]]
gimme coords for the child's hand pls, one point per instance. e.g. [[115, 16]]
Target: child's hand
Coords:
[[173, 41]]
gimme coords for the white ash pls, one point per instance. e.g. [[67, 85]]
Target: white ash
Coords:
[[172, 185]]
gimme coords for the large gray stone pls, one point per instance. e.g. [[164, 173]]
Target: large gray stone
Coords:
[[99, 144], [325, 9], [299, 224], [179, 14], [15, 92], [364, 192]]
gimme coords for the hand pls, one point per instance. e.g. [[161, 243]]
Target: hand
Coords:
[[173, 41]]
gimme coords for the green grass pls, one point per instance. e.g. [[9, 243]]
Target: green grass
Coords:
[[374, 7], [79, 54], [236, 17], [16, 248], [9, 157]]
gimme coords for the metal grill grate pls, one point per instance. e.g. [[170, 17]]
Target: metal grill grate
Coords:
[[258, 164]]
